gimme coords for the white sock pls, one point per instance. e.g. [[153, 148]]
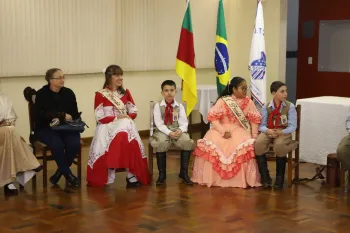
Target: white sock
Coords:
[[12, 186], [133, 179], [111, 176]]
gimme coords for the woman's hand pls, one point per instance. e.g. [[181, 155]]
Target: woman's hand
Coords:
[[68, 117], [122, 116]]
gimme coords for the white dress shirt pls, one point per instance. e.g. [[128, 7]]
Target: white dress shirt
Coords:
[[182, 120]]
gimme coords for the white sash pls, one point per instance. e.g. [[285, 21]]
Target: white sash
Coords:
[[237, 111], [114, 99]]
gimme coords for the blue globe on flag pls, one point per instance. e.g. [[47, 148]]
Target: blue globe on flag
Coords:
[[221, 58]]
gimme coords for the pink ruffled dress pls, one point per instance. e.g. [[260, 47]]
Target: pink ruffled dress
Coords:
[[228, 162]]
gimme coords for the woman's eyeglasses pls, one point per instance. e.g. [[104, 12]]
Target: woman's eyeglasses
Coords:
[[244, 88]]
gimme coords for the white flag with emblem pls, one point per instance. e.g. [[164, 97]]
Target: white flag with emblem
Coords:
[[257, 60]]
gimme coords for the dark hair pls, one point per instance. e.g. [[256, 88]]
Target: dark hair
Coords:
[[49, 74], [234, 83], [168, 83], [110, 71], [276, 85]]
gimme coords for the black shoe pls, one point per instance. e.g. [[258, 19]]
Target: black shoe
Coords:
[[161, 163], [280, 170], [73, 180], [56, 177], [38, 169], [10, 192], [132, 184], [266, 180], [185, 161]]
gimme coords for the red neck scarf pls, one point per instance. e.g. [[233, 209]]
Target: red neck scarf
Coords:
[[168, 115], [276, 112]]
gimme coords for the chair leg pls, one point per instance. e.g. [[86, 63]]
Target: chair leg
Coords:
[[150, 161], [346, 182], [296, 164], [79, 164], [45, 168], [34, 177], [34, 182], [290, 168]]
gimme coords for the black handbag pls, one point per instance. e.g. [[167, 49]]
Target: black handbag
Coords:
[[75, 125]]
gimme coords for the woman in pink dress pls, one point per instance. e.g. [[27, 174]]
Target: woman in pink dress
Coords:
[[117, 143], [225, 156]]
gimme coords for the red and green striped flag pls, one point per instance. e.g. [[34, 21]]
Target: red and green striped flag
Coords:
[[185, 66]]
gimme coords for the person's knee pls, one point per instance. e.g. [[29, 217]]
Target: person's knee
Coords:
[[343, 153], [187, 145], [56, 145], [161, 146], [73, 146], [260, 146]]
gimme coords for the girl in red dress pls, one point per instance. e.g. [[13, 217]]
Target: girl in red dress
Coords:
[[117, 143]]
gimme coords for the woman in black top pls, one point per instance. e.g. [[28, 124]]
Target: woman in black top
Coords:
[[54, 101]]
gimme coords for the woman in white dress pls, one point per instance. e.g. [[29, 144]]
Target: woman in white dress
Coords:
[[17, 162]]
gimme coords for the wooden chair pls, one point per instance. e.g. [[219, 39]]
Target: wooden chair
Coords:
[[293, 164], [39, 146], [151, 131]]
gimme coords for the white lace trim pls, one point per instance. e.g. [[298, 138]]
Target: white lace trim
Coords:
[[222, 158], [105, 111], [105, 133], [130, 107]]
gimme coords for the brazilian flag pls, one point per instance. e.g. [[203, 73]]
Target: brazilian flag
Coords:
[[221, 51]]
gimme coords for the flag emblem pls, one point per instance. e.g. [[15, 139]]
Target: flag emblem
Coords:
[[258, 67]]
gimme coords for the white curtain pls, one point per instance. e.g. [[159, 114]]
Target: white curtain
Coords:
[[84, 36]]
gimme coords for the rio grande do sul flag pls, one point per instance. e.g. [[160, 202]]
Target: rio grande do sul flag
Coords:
[[257, 60], [185, 65]]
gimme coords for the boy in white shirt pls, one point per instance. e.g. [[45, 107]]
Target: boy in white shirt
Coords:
[[171, 128]]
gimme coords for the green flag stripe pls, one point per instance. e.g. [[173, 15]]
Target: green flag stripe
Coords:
[[221, 27], [219, 86], [187, 22]]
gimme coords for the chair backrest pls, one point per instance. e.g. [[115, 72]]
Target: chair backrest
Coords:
[[30, 95], [152, 125], [297, 132]]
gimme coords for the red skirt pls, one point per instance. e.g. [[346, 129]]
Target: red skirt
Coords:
[[121, 154]]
